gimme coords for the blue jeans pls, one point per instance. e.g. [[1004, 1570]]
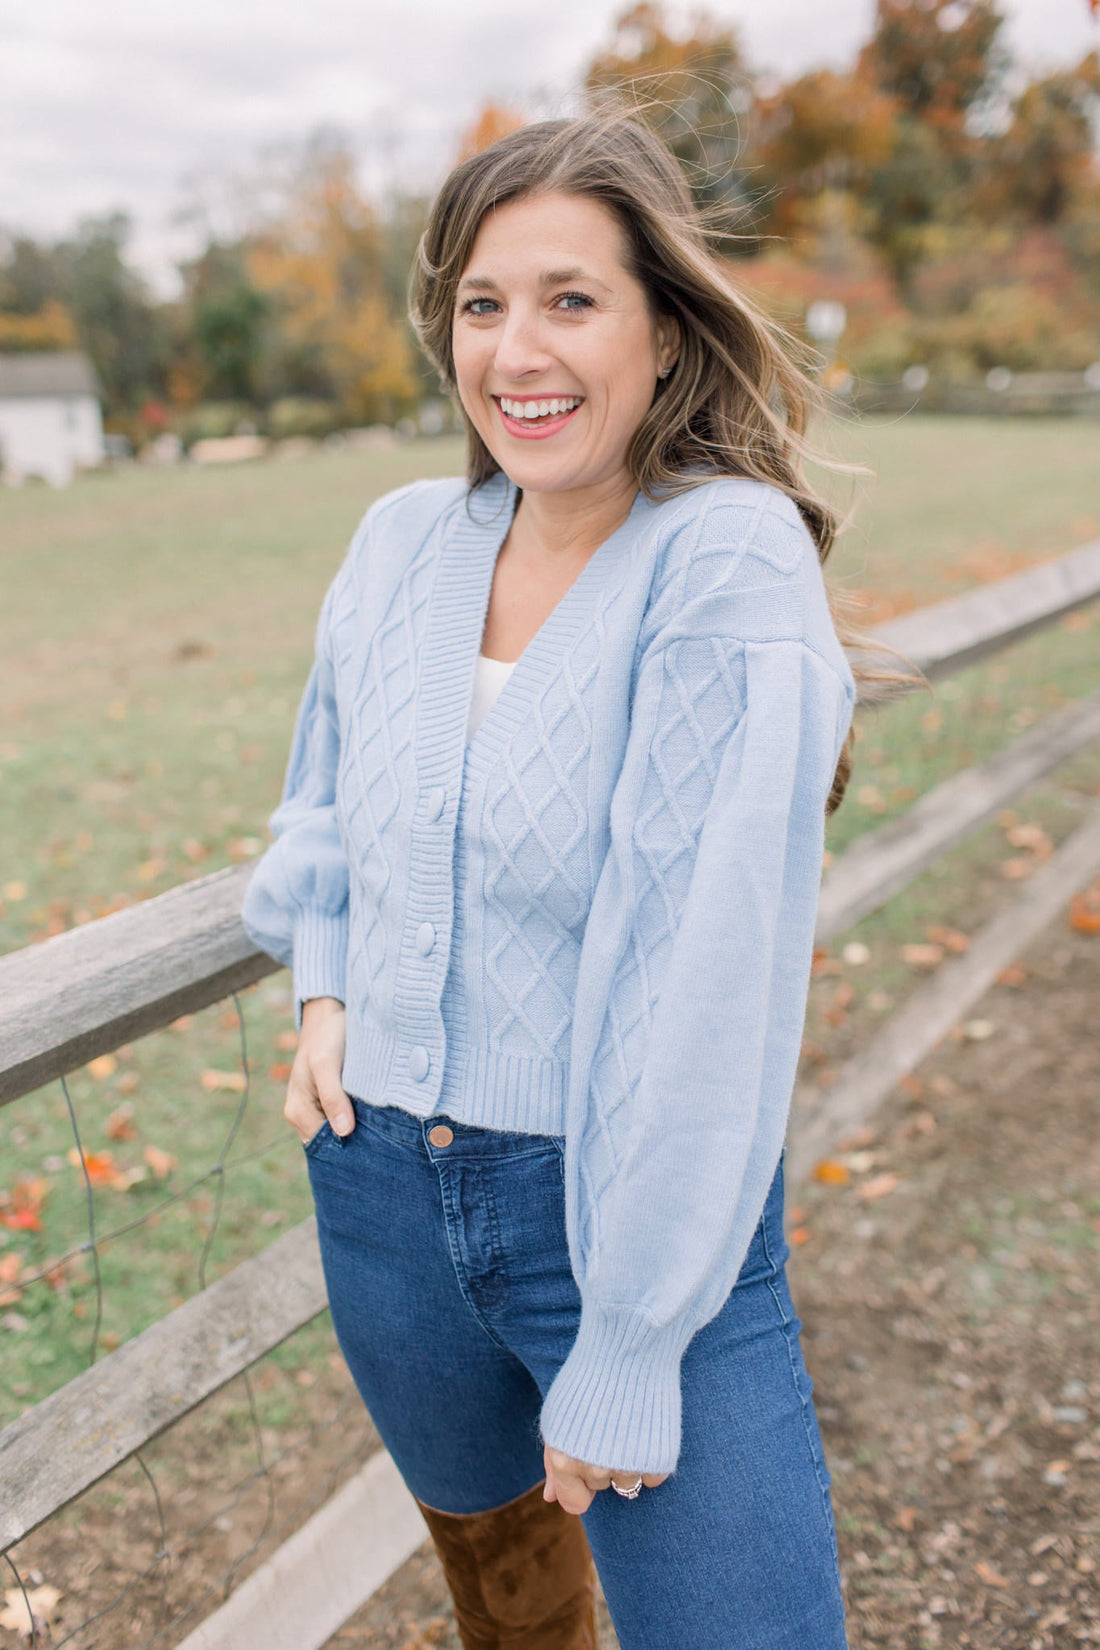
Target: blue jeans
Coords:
[[455, 1305]]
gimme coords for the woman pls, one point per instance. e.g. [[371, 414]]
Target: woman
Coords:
[[546, 869]]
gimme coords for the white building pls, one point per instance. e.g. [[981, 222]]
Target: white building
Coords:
[[50, 423]]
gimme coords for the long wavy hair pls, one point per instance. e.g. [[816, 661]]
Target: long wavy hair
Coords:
[[739, 398]]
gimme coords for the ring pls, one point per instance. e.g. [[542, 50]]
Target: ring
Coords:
[[632, 1493]]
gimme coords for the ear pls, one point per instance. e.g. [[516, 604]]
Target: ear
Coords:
[[670, 341]]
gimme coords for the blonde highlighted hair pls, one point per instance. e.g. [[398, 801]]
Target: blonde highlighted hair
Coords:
[[738, 400]]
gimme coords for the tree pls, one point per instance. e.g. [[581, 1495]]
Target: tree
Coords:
[[941, 59], [695, 91], [116, 318], [824, 131], [227, 323], [319, 262], [1046, 155], [494, 121]]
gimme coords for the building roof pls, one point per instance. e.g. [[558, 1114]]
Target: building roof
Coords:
[[31, 373]]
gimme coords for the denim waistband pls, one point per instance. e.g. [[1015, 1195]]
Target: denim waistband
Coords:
[[404, 1129]]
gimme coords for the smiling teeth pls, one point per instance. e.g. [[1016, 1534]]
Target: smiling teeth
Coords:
[[538, 409]]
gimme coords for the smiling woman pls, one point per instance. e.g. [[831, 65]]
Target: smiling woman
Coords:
[[546, 870]]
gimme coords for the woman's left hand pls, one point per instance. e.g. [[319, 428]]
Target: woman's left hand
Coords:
[[573, 1483]]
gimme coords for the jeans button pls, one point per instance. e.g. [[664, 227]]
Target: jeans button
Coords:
[[425, 938], [441, 1135], [419, 1062]]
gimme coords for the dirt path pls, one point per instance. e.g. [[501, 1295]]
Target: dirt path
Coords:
[[951, 1327]]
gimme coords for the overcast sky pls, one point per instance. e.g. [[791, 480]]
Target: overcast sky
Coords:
[[117, 106]]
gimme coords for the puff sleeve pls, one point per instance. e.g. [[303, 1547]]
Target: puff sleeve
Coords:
[[296, 903]]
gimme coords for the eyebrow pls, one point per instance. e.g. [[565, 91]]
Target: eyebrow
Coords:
[[549, 277]]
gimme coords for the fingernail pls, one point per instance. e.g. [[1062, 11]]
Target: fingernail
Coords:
[[343, 1126]]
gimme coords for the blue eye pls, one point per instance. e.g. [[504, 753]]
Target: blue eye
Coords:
[[582, 298], [468, 306]]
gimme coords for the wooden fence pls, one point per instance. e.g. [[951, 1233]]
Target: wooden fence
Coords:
[[86, 991]]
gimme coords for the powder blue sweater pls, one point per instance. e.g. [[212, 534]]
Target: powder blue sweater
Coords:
[[596, 919]]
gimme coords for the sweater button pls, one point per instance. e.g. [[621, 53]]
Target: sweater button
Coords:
[[435, 802], [419, 1061], [425, 938]]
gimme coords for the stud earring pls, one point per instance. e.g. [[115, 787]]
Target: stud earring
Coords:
[[664, 372]]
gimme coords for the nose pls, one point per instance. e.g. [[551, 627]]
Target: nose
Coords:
[[520, 351]]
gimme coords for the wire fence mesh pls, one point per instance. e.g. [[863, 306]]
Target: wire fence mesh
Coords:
[[145, 1554]]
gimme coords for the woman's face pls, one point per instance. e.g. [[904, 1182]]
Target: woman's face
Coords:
[[546, 311]]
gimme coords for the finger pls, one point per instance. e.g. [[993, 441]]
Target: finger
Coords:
[[334, 1102], [302, 1110], [652, 1479]]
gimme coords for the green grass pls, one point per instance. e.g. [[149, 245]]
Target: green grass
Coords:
[[155, 635]]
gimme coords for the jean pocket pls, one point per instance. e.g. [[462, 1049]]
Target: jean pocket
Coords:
[[316, 1141]]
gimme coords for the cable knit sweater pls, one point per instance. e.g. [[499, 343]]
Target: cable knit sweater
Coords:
[[594, 920]]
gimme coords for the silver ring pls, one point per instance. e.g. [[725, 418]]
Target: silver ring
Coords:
[[632, 1493]]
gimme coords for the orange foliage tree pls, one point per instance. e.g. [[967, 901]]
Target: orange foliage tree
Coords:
[[694, 88], [320, 266], [494, 121]]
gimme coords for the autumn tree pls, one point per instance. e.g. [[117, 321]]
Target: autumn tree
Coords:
[[1047, 155], [493, 121], [824, 131], [941, 59], [319, 265], [695, 90]]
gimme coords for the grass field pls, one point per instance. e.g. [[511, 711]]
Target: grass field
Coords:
[[155, 634]]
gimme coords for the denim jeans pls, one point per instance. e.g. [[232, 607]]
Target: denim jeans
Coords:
[[455, 1304]]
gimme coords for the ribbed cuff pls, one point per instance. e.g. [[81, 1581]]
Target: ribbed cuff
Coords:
[[320, 957], [615, 1402]]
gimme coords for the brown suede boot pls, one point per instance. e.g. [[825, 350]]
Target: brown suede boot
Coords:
[[521, 1575]]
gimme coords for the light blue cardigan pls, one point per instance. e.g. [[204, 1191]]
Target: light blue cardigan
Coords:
[[596, 919]]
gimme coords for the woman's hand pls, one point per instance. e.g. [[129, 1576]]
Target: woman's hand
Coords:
[[313, 1091], [573, 1483]]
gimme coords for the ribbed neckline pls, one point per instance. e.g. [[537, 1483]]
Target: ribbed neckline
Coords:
[[545, 649]]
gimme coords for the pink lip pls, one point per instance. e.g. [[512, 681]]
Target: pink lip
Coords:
[[520, 427]]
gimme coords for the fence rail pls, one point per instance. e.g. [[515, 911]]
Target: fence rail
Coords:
[[86, 991]]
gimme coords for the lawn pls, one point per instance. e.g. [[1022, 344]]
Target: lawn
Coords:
[[155, 634]]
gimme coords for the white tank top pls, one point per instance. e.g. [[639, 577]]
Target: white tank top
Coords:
[[490, 676]]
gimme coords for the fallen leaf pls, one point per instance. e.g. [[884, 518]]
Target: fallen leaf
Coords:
[[905, 1518], [992, 1578], [230, 1020], [832, 1172], [235, 1081], [879, 1184], [120, 1124], [104, 1065], [10, 1267], [102, 1170], [287, 1040], [184, 1023], [15, 1617], [1033, 837], [1084, 912], [922, 956], [21, 1208], [1013, 975], [912, 1087], [162, 1163], [823, 963], [952, 939], [280, 1071], [1014, 870], [800, 1235]]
